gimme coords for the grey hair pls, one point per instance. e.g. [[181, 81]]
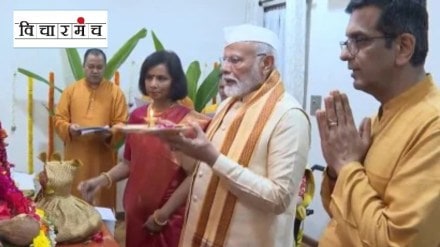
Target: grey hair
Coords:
[[263, 48]]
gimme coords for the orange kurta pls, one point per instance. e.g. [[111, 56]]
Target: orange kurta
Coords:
[[393, 198], [87, 107]]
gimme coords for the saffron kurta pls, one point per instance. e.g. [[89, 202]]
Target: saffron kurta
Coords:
[[87, 107], [265, 190], [393, 199], [155, 173]]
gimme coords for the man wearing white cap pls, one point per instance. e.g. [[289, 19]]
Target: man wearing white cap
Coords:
[[253, 155]]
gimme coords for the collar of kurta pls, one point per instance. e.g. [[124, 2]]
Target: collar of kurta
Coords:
[[407, 98], [94, 87], [239, 144]]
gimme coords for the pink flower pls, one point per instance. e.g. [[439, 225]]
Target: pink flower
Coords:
[[98, 237], [5, 213]]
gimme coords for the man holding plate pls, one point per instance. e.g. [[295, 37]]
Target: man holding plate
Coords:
[[253, 155]]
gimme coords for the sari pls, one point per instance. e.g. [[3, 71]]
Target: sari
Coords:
[[155, 173]]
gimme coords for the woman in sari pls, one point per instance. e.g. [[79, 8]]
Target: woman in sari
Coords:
[[158, 177]]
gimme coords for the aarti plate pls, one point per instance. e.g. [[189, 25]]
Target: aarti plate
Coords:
[[145, 129]]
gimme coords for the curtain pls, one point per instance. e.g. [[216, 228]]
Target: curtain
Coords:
[[289, 21], [296, 48], [254, 13], [275, 20]]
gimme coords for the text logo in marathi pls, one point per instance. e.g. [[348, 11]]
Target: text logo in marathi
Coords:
[[60, 29]]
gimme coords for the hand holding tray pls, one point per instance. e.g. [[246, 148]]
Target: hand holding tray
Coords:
[[157, 129]]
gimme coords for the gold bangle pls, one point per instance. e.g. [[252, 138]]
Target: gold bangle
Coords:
[[157, 222], [109, 179]]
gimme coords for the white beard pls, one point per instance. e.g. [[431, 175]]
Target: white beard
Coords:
[[239, 89], [245, 86]]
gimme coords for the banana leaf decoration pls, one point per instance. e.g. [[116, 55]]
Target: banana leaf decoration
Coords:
[[119, 143], [112, 65], [122, 54], [37, 77], [208, 89], [157, 44], [192, 77], [75, 63], [78, 72], [51, 113]]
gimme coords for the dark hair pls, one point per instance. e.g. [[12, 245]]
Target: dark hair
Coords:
[[96, 52], [398, 17], [178, 89]]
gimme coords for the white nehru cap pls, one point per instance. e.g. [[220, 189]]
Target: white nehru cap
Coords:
[[248, 32]]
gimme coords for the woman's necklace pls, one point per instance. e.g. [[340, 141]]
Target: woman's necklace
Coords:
[[158, 112], [153, 114]]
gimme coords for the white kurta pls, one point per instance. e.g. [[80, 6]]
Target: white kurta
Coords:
[[266, 191]]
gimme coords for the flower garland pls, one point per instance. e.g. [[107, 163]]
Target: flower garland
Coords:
[[46, 237], [10, 195], [13, 202], [50, 143]]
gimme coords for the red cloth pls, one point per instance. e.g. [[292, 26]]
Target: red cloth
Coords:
[[154, 176]]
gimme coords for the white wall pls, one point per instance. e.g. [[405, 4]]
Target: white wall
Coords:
[[192, 28], [327, 72]]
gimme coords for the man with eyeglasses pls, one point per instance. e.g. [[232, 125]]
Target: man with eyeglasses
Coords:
[[254, 153], [90, 102], [382, 183]]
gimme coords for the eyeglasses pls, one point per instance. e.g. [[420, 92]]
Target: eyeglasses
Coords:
[[236, 60], [352, 44]]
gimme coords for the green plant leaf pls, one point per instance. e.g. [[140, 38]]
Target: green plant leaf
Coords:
[[208, 89], [75, 63], [119, 144], [192, 77], [37, 77], [51, 113], [122, 54], [157, 44]]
